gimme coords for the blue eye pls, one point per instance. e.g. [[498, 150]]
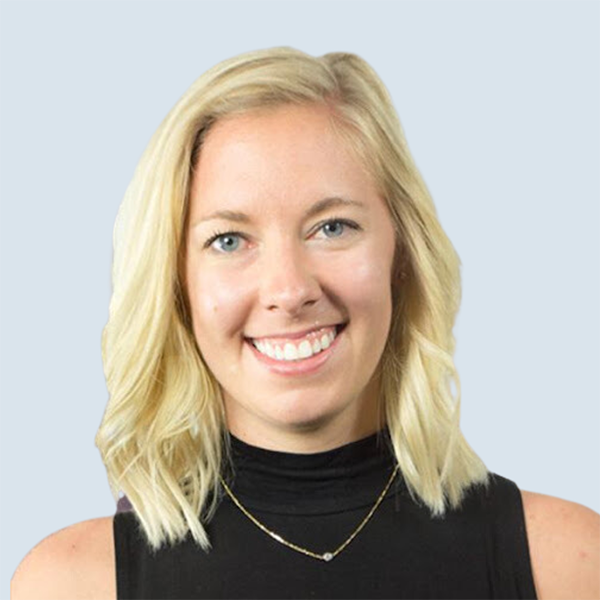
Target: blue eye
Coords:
[[230, 239], [226, 238], [341, 224]]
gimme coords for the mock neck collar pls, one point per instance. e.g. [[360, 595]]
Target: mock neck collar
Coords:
[[349, 476]]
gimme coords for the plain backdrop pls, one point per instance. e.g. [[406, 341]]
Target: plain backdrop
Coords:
[[500, 105]]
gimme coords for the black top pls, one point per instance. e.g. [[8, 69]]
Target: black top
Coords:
[[316, 501]]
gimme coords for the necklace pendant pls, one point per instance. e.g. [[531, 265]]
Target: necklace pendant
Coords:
[[327, 556]]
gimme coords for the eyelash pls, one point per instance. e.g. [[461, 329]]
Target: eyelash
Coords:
[[218, 234]]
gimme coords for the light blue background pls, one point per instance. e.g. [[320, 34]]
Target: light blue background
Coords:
[[499, 102]]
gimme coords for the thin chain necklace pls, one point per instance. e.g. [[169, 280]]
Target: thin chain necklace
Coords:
[[326, 556]]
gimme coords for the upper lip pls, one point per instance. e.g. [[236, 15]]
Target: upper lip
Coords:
[[296, 334]]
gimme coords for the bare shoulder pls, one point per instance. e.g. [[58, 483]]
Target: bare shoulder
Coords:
[[76, 563], [564, 544]]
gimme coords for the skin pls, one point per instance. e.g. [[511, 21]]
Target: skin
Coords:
[[289, 275]]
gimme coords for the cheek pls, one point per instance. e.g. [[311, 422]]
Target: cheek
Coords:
[[369, 297], [216, 302], [368, 282]]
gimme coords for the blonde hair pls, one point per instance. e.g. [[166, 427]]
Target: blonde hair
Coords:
[[163, 437]]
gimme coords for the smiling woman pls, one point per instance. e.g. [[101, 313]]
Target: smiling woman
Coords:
[[279, 356]]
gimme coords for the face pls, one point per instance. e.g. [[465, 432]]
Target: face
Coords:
[[289, 248]]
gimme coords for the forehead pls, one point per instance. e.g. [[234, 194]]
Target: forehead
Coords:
[[275, 123], [291, 153]]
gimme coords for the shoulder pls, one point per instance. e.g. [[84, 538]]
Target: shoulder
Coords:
[[75, 562], [564, 545]]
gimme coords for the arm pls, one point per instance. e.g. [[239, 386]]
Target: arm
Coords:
[[564, 543], [74, 563]]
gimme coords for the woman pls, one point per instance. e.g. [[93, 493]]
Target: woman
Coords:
[[279, 359]]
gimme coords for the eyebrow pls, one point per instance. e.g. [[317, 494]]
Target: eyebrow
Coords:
[[315, 209]]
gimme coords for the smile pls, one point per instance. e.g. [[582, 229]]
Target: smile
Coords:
[[290, 350]]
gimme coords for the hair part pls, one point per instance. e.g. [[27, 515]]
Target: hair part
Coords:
[[163, 437]]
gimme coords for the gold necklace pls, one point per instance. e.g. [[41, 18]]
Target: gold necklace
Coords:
[[326, 556]]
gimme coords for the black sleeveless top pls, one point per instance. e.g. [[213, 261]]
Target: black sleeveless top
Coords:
[[316, 501]]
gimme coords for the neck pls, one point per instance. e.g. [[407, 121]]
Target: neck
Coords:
[[287, 482]]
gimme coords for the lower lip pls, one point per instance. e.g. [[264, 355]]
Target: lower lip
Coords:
[[292, 368]]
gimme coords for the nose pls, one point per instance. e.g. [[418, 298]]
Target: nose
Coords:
[[288, 281]]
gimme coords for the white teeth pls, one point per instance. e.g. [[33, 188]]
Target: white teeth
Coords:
[[305, 349], [291, 352]]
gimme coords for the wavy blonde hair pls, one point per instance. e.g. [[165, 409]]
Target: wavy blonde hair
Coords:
[[163, 437]]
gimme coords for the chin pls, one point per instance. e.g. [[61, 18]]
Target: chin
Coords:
[[308, 424], [302, 420]]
